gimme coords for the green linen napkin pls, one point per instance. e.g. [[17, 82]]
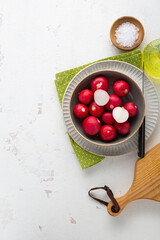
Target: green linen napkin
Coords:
[[85, 158]]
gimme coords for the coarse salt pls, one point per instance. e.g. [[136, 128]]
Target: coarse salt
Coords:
[[127, 34]]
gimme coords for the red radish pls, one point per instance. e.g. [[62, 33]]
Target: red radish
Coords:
[[107, 118], [85, 96], [101, 97], [91, 125], [95, 110], [114, 101], [107, 133], [131, 108], [99, 83], [80, 110], [121, 88], [122, 128], [120, 114]]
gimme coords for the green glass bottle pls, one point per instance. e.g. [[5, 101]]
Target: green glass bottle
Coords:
[[151, 58]]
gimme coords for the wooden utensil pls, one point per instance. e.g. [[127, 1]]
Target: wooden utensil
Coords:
[[146, 183]]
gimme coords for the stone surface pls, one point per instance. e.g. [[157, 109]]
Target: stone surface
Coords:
[[43, 190]]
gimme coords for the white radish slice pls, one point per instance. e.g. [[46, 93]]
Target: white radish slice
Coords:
[[101, 97], [120, 114]]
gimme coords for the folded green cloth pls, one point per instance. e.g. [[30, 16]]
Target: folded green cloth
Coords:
[[85, 158]]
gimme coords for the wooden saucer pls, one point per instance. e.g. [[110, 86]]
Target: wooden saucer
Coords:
[[121, 20]]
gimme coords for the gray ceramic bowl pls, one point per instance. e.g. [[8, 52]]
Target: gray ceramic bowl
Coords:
[[113, 70], [135, 95]]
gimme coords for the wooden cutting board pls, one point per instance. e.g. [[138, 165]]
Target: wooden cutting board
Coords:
[[146, 183]]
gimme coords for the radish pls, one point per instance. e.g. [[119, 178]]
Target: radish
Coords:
[[107, 118], [91, 125], [120, 114], [114, 101], [85, 96], [95, 110], [80, 111], [121, 88], [131, 108], [107, 133], [122, 128], [101, 97], [99, 83]]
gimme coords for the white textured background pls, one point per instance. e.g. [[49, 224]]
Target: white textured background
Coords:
[[43, 190]]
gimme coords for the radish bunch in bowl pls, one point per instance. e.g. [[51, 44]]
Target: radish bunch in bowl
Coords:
[[102, 113]]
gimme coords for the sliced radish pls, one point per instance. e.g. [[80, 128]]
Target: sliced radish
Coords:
[[101, 97], [120, 114]]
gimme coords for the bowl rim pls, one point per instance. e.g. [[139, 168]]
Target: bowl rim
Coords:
[[137, 43], [109, 143]]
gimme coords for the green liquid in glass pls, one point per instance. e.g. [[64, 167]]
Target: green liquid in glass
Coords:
[[151, 58]]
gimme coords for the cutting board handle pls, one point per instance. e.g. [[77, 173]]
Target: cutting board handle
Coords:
[[146, 183]]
